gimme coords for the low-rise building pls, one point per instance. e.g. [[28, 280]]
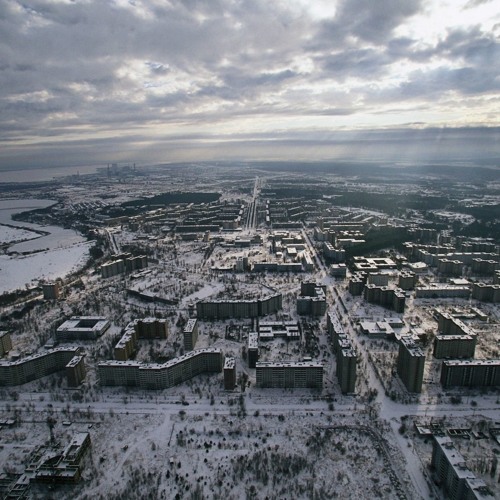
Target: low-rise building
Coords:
[[82, 328]]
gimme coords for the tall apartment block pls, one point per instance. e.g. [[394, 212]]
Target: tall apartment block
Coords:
[[151, 328], [312, 299], [75, 371], [346, 366], [471, 373], [253, 349], [229, 374], [411, 362], [127, 345], [407, 280], [296, 375], [334, 326], [392, 298], [5, 342], [160, 376], [190, 334], [452, 472]]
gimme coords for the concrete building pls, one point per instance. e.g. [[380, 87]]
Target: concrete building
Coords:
[[126, 347], [357, 283], [449, 325], [471, 373], [60, 469], [298, 375], [377, 329], [123, 263], [338, 271], [229, 374], [151, 328], [378, 279], [486, 293], [334, 326], [51, 291], [160, 376], [82, 328], [333, 254], [440, 290], [346, 366], [36, 366], [190, 334], [411, 362], [454, 477], [312, 299], [5, 342], [454, 346], [75, 371], [253, 349], [224, 309], [269, 330], [484, 266], [392, 298], [450, 267], [407, 280]]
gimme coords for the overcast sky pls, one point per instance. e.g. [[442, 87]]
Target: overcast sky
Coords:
[[97, 81]]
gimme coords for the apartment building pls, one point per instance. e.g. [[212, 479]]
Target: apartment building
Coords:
[[229, 374], [410, 365], [454, 346], [454, 477], [470, 373], [304, 374], [190, 334], [224, 309], [160, 376], [5, 342], [347, 358], [36, 366]]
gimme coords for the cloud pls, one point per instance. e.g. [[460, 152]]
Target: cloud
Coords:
[[94, 69]]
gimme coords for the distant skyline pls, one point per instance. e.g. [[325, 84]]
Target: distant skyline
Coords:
[[93, 81]]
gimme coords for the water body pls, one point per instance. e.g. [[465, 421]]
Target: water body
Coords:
[[44, 174], [59, 250]]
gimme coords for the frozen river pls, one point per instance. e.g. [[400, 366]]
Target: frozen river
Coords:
[[58, 250]]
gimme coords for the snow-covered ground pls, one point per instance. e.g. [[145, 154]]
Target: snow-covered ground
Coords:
[[10, 234], [16, 272]]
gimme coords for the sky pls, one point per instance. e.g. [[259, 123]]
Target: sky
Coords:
[[86, 82]]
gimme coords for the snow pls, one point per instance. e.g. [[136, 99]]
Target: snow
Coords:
[[16, 272]]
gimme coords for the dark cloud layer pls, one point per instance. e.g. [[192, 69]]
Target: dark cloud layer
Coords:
[[87, 78]]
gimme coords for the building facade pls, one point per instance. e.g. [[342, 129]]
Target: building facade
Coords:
[[410, 365], [298, 375], [160, 376]]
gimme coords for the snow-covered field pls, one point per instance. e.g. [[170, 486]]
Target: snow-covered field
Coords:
[[16, 272], [11, 234]]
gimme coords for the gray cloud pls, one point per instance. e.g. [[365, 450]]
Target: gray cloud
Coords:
[[96, 67]]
